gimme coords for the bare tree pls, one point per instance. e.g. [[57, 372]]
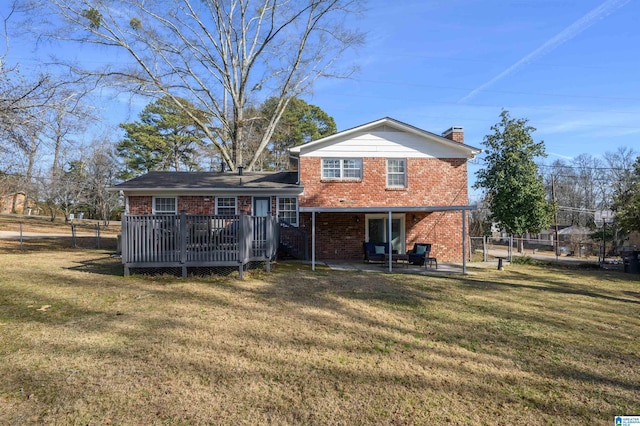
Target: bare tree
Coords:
[[101, 174], [620, 170], [219, 55]]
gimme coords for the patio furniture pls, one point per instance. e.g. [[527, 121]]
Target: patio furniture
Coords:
[[397, 258], [420, 255], [375, 252]]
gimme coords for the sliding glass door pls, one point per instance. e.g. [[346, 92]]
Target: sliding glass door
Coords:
[[377, 229]]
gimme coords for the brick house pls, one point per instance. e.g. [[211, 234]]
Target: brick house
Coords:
[[341, 190], [385, 174], [210, 193], [12, 203]]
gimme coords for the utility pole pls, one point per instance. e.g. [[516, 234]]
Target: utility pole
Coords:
[[555, 213]]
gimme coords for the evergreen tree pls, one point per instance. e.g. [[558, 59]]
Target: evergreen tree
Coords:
[[514, 187], [165, 138]]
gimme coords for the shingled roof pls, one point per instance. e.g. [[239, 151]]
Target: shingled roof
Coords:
[[205, 181]]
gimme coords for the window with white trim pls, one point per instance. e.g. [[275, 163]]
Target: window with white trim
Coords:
[[288, 209], [396, 173], [342, 168], [226, 205], [165, 205]]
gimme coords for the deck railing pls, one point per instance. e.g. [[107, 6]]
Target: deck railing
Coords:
[[185, 240]]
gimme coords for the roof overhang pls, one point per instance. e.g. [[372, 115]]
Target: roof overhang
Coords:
[[470, 151], [209, 191], [408, 209]]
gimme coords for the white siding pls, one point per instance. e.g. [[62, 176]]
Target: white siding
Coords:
[[385, 143]]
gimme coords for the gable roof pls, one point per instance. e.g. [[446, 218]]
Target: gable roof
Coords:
[[184, 182], [469, 150]]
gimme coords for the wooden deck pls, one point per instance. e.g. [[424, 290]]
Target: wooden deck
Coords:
[[182, 240]]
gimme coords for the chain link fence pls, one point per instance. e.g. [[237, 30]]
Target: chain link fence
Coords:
[[483, 249], [32, 233]]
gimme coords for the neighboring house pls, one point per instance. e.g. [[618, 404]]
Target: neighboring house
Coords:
[[353, 186], [12, 203], [355, 179]]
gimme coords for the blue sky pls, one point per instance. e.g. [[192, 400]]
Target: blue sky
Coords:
[[570, 66]]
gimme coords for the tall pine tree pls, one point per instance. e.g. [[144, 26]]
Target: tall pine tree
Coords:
[[165, 138]]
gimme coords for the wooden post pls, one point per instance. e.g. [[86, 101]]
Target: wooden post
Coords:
[[124, 243], [21, 247], [183, 242]]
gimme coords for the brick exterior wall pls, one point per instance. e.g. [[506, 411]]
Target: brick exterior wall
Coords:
[[192, 204], [430, 182], [140, 204]]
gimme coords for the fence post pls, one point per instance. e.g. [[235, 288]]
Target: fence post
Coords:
[[510, 248], [73, 235], [485, 256], [97, 235], [21, 246]]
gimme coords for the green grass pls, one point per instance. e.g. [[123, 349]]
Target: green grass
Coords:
[[529, 345]]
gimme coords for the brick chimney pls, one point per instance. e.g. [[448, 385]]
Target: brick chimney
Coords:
[[455, 133]]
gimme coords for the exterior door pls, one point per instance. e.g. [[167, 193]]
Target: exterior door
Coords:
[[261, 209], [378, 230], [261, 206]]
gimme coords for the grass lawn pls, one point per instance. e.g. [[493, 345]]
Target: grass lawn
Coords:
[[80, 344]]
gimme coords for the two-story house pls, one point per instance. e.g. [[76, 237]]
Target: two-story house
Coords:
[[355, 179], [378, 181]]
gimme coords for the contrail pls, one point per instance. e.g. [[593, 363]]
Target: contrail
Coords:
[[565, 35]]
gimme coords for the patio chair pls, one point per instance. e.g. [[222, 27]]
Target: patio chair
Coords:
[[420, 255], [374, 252]]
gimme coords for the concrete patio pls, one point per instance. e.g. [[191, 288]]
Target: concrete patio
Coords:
[[401, 268]]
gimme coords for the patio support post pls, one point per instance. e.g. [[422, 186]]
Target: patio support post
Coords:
[[390, 243], [464, 241], [313, 240]]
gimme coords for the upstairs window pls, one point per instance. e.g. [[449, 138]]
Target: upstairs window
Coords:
[[164, 205], [226, 205], [396, 173], [342, 168]]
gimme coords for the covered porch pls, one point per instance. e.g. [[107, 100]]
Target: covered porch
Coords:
[[398, 227]]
